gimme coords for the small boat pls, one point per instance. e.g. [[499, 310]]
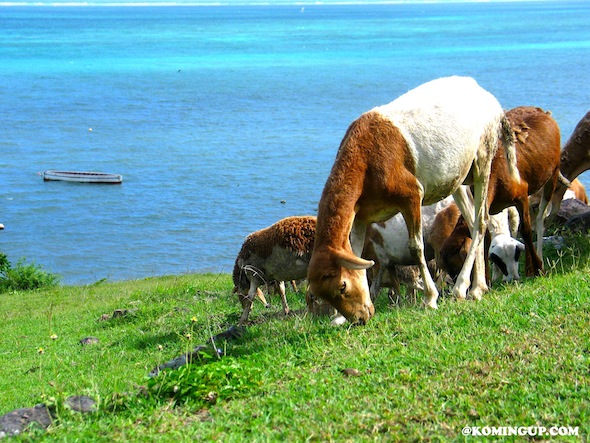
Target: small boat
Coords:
[[82, 177]]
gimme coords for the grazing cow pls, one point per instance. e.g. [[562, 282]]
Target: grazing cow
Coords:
[[537, 153], [414, 151], [575, 159], [277, 254], [388, 244]]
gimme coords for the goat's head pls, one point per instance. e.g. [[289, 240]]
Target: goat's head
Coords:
[[340, 278]]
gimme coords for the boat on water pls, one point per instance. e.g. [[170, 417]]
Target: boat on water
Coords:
[[82, 177]]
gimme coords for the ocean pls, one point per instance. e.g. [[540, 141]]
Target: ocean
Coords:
[[225, 119]]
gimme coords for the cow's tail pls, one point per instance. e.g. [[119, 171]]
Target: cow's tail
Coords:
[[509, 143]]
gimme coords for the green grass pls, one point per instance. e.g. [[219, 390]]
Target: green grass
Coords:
[[520, 357], [23, 276]]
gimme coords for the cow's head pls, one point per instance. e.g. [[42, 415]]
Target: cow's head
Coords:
[[340, 278], [504, 254]]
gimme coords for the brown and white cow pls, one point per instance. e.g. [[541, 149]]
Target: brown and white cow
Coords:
[[414, 151], [538, 142]]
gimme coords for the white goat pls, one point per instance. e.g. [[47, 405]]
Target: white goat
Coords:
[[388, 244]]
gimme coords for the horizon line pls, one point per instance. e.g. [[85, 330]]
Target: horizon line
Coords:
[[301, 3]]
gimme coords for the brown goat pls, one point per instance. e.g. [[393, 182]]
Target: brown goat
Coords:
[[277, 254], [575, 159]]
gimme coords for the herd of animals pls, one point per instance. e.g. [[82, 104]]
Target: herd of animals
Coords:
[[427, 187]]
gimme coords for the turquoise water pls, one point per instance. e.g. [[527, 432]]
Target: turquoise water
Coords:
[[224, 119]]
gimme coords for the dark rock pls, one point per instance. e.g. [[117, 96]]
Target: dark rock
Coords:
[[123, 312], [557, 241], [118, 313], [232, 333], [81, 403], [17, 421], [89, 341], [579, 223], [570, 208]]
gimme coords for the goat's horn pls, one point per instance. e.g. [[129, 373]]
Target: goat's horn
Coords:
[[563, 180]]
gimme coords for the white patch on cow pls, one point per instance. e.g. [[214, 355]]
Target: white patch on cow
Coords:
[[393, 248], [444, 134]]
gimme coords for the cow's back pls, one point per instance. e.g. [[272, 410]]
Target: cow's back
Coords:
[[443, 122]]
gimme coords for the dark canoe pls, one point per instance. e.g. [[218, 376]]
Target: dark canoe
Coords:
[[82, 177]]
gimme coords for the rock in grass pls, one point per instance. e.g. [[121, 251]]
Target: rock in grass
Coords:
[[351, 372], [17, 421], [118, 313], [579, 223], [232, 333], [124, 313], [81, 403], [89, 341], [570, 208]]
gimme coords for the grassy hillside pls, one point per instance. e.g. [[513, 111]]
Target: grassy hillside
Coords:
[[520, 357]]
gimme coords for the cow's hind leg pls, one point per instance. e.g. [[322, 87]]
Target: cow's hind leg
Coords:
[[475, 260]]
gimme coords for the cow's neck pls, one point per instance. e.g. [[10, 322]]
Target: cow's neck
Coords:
[[336, 214]]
